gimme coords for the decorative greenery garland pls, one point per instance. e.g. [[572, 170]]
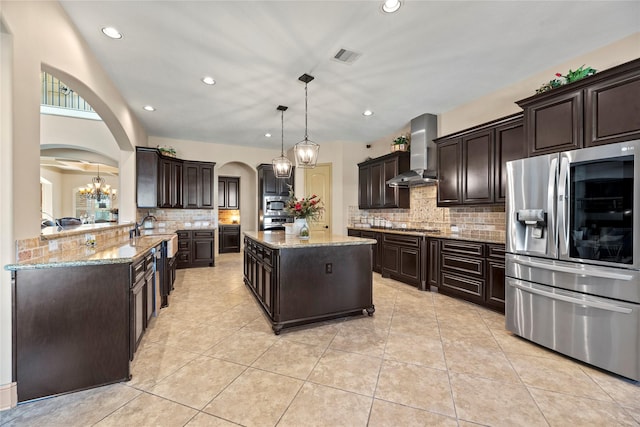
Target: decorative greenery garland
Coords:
[[570, 77]]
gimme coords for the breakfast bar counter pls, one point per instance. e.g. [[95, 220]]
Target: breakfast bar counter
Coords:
[[304, 281]]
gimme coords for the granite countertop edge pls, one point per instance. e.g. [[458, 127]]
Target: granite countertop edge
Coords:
[[293, 242], [101, 256], [441, 235]]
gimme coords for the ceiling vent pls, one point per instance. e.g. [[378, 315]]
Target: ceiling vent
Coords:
[[346, 56]]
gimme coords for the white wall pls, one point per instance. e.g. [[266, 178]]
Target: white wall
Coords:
[[42, 37]]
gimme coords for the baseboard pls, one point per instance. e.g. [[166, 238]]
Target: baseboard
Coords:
[[8, 396]]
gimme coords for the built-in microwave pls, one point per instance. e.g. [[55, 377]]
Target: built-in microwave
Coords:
[[275, 205]]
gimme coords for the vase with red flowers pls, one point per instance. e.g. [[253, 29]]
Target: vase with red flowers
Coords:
[[304, 210]]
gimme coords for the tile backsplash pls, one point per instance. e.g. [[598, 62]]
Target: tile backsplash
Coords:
[[176, 218], [479, 222]]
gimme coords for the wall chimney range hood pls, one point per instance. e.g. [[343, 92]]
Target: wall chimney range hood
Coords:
[[424, 130]]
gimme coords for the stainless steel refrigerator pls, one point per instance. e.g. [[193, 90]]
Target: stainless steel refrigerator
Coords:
[[573, 254]]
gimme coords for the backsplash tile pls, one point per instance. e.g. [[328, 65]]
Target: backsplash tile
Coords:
[[177, 218], [476, 222]]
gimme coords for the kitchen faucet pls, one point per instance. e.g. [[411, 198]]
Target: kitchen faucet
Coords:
[[136, 228]]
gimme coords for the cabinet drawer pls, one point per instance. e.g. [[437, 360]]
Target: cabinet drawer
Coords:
[[462, 247], [402, 240], [202, 234], [463, 285], [184, 245], [184, 235], [495, 251], [137, 271], [455, 263]]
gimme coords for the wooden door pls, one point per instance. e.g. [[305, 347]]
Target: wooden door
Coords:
[[477, 167], [449, 170], [318, 181]]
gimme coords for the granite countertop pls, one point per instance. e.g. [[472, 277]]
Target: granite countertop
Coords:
[[49, 233], [280, 240], [443, 235], [124, 252]]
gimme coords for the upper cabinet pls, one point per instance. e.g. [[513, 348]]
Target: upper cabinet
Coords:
[[228, 192], [472, 163], [269, 185], [165, 182], [600, 109], [373, 191]]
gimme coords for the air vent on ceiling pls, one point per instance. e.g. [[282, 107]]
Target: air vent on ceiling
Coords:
[[346, 56]]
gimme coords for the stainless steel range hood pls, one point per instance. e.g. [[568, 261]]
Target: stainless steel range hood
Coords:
[[424, 129]]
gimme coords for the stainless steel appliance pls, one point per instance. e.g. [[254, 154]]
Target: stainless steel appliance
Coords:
[[573, 254], [274, 216], [274, 206], [276, 223]]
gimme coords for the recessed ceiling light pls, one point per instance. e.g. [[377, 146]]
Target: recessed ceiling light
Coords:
[[268, 135], [367, 113], [208, 81], [149, 108], [111, 33], [390, 6]]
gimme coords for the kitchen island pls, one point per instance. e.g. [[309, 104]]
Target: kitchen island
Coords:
[[304, 281]]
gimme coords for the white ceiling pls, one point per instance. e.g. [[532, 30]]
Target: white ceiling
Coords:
[[428, 58]]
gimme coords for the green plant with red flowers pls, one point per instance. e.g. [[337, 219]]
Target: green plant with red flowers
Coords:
[[309, 208], [570, 77]]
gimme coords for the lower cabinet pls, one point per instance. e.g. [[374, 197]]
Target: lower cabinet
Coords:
[[259, 272], [229, 238], [375, 235], [402, 258], [473, 271], [195, 248]]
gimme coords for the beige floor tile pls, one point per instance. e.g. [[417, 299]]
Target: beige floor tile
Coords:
[[564, 376], [290, 358], [513, 344], [149, 410], [479, 361], [154, 362], [416, 386], [200, 338], [316, 405], [319, 335], [494, 403], [198, 382], [243, 347], [563, 410], [206, 420], [367, 341], [415, 326], [415, 350], [255, 398], [622, 390], [388, 414], [81, 408], [634, 412], [347, 371]]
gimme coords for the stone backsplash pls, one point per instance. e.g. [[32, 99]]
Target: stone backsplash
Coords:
[[478, 222], [178, 218]]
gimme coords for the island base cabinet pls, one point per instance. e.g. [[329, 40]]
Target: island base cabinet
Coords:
[[70, 329], [296, 286]]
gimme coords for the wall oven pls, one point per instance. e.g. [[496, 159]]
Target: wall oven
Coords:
[[274, 206], [573, 239]]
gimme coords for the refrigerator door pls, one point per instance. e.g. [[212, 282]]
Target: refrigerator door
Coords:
[[531, 206], [598, 196], [599, 331]]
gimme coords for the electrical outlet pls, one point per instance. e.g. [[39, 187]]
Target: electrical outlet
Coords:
[[328, 268], [53, 245]]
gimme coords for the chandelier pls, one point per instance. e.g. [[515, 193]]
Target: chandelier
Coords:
[[97, 189], [282, 165], [306, 150]]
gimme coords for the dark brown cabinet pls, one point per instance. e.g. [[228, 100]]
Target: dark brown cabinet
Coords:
[[472, 163], [402, 258], [195, 248], [228, 192], [164, 182], [198, 185], [472, 271], [170, 186], [600, 109], [259, 273], [269, 185], [373, 191], [370, 234], [229, 238]]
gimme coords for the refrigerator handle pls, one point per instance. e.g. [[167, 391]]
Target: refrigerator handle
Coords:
[[563, 207], [552, 227]]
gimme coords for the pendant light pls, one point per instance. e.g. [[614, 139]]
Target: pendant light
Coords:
[[282, 165], [306, 150]]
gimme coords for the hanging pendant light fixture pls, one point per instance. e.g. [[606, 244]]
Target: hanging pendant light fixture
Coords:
[[282, 165], [306, 150]]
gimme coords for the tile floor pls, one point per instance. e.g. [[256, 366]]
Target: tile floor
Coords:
[[424, 359]]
